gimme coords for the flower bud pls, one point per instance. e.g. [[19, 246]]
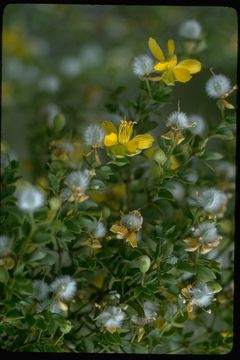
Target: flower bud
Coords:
[[144, 263], [55, 203], [59, 122], [160, 157]]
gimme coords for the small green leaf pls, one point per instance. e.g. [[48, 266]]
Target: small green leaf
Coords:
[[186, 266], [4, 276], [53, 181], [210, 155], [214, 286], [205, 274]]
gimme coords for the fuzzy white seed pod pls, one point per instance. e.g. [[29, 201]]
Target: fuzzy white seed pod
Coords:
[[65, 287], [150, 309], [225, 169], [50, 111], [50, 84], [179, 120], [5, 245], [112, 317], [94, 135], [177, 190], [70, 66], [132, 221], [212, 200], [78, 179], [201, 295], [142, 65], [201, 126], [217, 86], [190, 175], [190, 29], [41, 289], [30, 198], [207, 231], [100, 230]]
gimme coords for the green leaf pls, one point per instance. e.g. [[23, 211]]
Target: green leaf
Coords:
[[167, 249], [205, 274], [37, 255], [119, 162], [170, 279], [210, 155], [4, 275], [140, 349], [146, 126], [214, 286], [186, 266], [105, 171], [223, 132], [53, 181], [66, 326], [42, 238], [170, 230], [8, 191]]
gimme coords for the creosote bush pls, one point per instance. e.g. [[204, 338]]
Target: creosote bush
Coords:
[[118, 246]]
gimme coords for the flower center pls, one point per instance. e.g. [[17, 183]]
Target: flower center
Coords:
[[125, 131]]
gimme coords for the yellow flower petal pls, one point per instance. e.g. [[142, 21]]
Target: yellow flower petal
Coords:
[[171, 47], [181, 74], [193, 66], [132, 239], [155, 49], [119, 229], [167, 65], [110, 139], [160, 66], [168, 77], [109, 127], [140, 142]]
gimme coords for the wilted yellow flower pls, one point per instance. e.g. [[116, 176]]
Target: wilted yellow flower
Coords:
[[205, 238], [128, 227], [172, 71], [119, 142]]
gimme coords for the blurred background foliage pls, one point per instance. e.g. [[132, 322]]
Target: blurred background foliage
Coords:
[[71, 59]]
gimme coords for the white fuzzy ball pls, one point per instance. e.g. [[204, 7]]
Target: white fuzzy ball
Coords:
[[94, 135], [112, 317], [64, 286], [217, 86], [207, 231], [100, 231], [41, 289], [5, 245], [201, 295], [78, 179], [200, 127], [190, 29], [179, 120], [142, 65], [212, 200], [30, 199]]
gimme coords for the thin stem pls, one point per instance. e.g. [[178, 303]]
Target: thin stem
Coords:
[[149, 88]]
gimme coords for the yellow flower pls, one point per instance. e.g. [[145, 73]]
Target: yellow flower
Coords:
[[119, 142], [128, 227], [172, 71]]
